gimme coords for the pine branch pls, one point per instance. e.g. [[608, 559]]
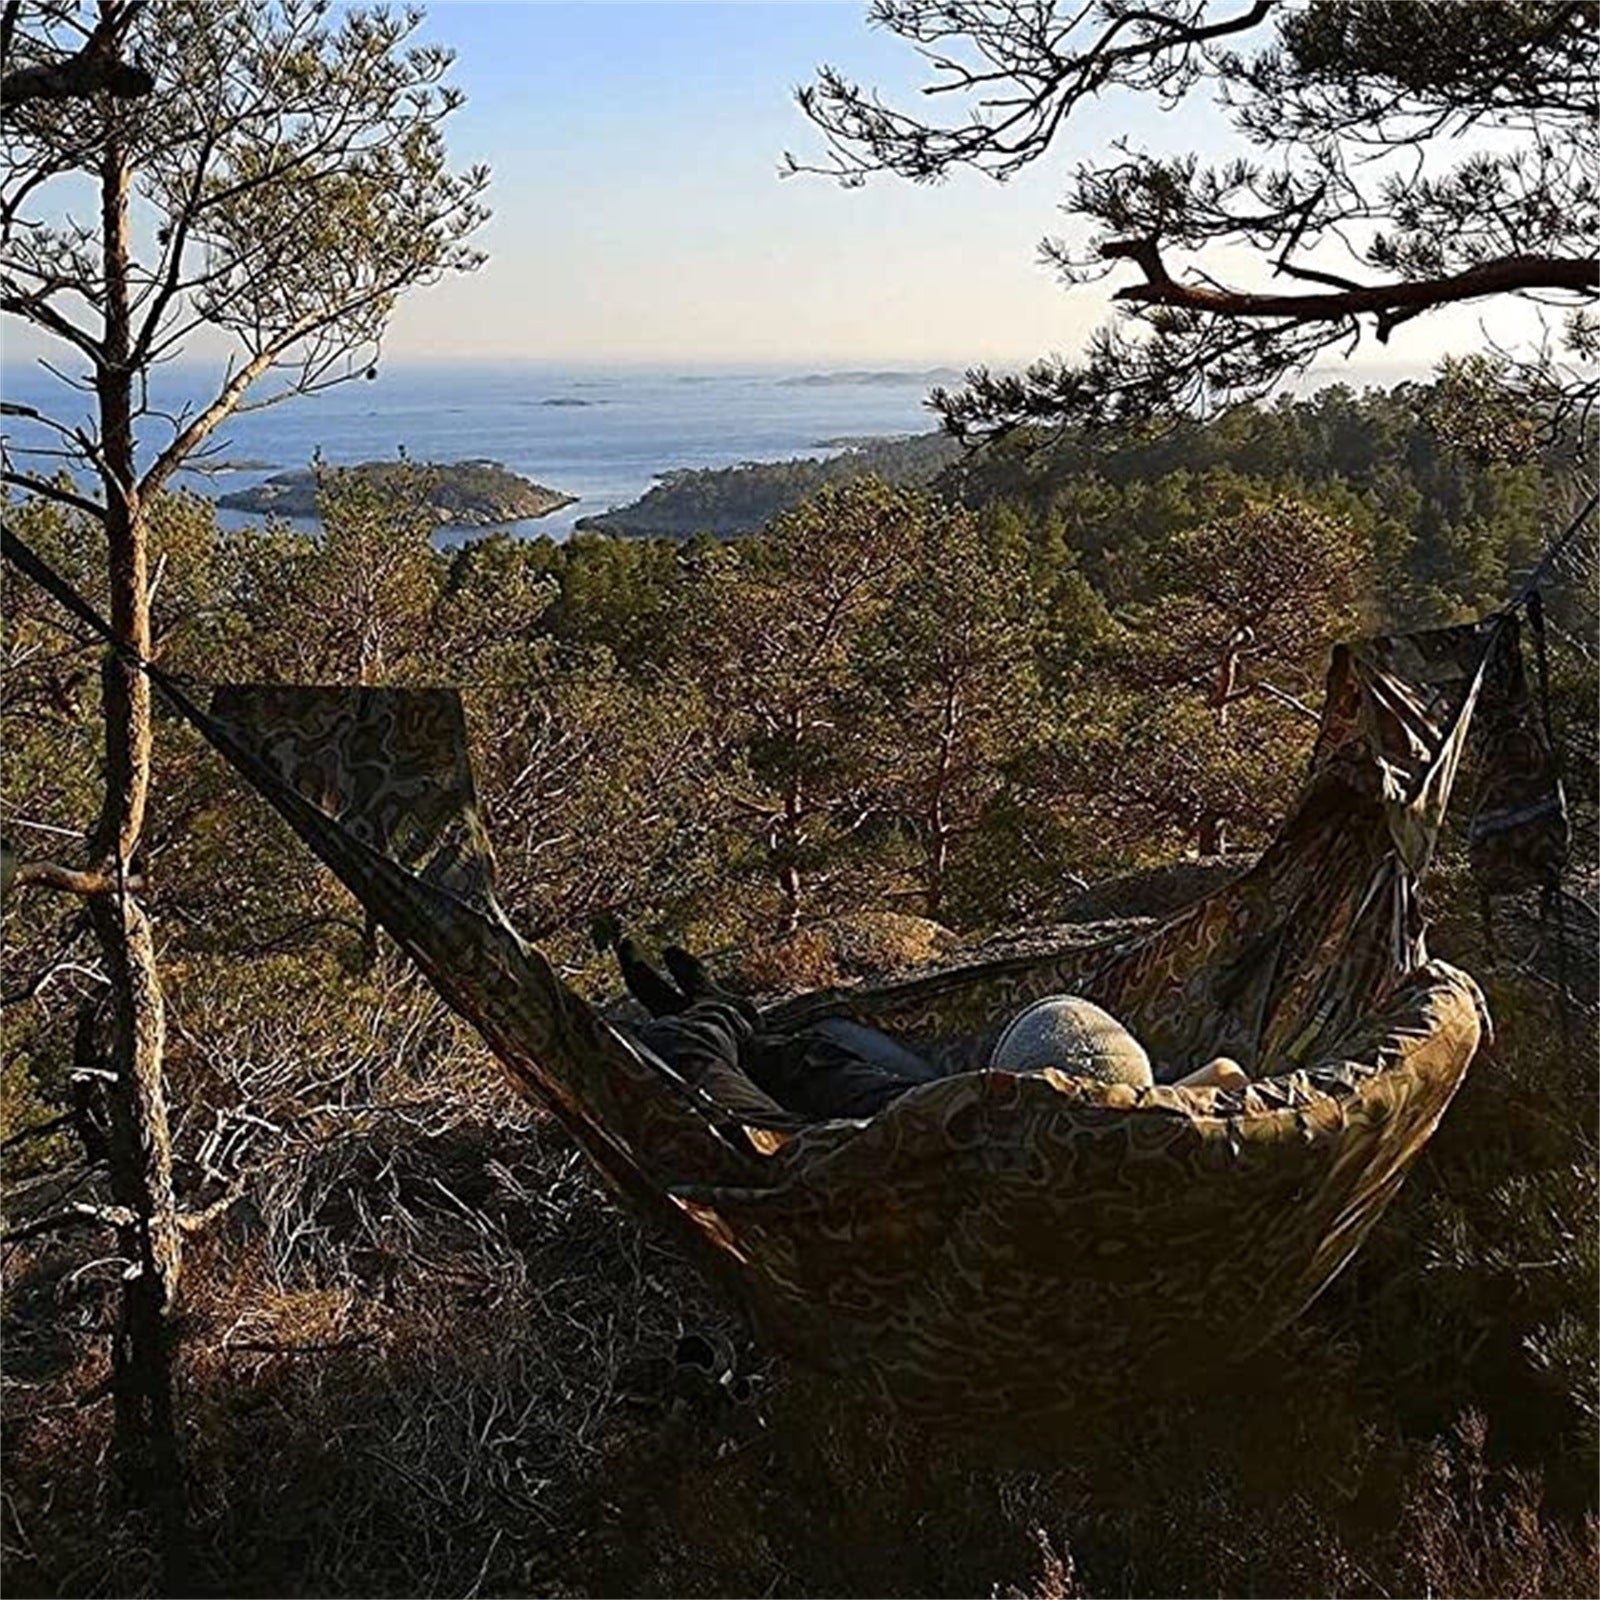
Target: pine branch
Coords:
[[1391, 303], [98, 68]]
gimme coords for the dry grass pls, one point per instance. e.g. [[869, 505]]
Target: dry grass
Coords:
[[836, 950], [403, 1359], [444, 1363], [428, 1355]]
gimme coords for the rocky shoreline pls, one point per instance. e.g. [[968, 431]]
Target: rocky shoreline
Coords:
[[461, 494]]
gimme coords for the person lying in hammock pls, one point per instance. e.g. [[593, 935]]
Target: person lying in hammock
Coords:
[[839, 1068], [829, 1070]]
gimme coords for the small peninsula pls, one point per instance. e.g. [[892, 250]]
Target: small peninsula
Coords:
[[214, 469], [730, 501], [461, 494]]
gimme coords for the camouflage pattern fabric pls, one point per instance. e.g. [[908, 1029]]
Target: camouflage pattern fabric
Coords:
[[344, 766], [389, 767], [1520, 831], [991, 1247]]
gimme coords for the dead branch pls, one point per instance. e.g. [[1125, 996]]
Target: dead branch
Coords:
[[52, 491], [70, 880], [80, 1214], [194, 1221]]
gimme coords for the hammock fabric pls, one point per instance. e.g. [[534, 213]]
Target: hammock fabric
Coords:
[[995, 1246]]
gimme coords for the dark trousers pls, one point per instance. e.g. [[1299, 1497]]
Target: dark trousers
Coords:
[[806, 1072]]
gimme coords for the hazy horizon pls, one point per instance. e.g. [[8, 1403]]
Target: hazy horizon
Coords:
[[1382, 372], [639, 219]]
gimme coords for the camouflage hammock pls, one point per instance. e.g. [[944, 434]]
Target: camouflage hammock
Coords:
[[997, 1246]]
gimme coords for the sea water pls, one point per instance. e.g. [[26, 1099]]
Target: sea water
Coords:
[[602, 434]]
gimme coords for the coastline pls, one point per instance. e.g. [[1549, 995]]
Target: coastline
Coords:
[[636, 425]]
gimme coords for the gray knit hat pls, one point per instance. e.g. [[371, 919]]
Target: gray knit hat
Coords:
[[1073, 1034]]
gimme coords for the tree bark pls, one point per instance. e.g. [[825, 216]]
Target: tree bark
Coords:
[[938, 848], [147, 1448], [1388, 302], [789, 830], [149, 1458], [790, 884]]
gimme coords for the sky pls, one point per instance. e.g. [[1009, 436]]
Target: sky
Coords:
[[639, 211], [639, 214]]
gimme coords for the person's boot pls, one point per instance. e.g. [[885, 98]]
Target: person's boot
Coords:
[[646, 985], [691, 976]]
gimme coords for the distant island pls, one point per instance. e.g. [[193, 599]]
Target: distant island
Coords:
[[870, 379], [461, 494], [209, 469], [730, 501]]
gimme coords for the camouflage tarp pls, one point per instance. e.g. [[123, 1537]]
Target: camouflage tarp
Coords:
[[1520, 831], [991, 1246]]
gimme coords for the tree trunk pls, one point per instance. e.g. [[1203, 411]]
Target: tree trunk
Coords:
[[790, 883], [938, 831], [938, 861], [1213, 829], [149, 1459], [141, 1153]]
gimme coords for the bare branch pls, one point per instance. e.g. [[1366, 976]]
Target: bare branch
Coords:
[[196, 1221], [69, 880], [53, 491], [35, 307], [81, 1214]]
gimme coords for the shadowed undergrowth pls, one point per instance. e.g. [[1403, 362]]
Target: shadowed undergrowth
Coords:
[[426, 1354]]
